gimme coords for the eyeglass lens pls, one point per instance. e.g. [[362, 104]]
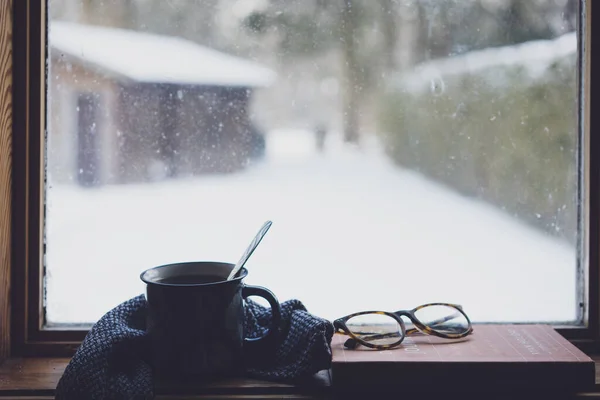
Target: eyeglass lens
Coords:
[[377, 329]]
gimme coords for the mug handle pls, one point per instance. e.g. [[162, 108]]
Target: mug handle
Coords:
[[265, 293]]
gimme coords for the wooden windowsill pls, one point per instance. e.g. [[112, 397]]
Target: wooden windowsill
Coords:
[[37, 378]]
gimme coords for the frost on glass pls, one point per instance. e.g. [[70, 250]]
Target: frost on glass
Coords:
[[407, 151]]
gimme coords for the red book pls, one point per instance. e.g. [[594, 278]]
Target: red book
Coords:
[[503, 356]]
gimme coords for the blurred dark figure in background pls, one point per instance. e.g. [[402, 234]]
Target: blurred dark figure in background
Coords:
[[320, 134]]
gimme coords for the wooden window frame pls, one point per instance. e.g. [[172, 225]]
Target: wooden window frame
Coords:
[[29, 115]]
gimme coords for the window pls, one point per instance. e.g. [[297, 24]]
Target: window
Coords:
[[196, 145], [402, 153]]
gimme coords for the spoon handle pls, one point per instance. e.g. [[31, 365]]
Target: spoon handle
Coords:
[[261, 233]]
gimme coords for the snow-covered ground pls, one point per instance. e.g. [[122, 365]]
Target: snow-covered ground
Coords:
[[350, 232]]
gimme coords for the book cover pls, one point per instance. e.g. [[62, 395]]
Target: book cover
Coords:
[[507, 356]]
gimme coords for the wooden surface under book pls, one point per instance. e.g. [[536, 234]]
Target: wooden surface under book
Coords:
[[37, 378], [515, 355]]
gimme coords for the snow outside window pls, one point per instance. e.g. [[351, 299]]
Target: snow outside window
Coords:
[[407, 151]]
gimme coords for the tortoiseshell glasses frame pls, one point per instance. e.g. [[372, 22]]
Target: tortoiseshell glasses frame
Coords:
[[419, 327]]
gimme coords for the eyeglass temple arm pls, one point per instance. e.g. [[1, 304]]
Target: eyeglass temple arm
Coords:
[[434, 323]]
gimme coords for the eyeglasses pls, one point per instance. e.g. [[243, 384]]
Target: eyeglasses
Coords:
[[384, 330]]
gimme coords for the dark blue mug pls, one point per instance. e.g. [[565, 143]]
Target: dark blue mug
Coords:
[[195, 319]]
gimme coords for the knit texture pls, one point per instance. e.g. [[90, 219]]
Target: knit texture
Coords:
[[112, 362]]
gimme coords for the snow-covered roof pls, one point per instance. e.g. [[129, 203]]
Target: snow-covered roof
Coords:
[[534, 56], [146, 57]]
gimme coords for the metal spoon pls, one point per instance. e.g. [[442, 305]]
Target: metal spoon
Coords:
[[261, 233]]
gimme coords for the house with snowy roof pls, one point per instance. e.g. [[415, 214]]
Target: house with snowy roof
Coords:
[[129, 106]]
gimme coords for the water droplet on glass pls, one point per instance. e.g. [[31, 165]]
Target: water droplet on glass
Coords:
[[437, 86]]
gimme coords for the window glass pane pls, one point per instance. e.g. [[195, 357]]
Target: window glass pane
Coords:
[[407, 151]]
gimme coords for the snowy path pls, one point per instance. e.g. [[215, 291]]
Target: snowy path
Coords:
[[351, 232]]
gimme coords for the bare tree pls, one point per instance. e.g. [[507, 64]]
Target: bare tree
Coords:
[[351, 86]]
